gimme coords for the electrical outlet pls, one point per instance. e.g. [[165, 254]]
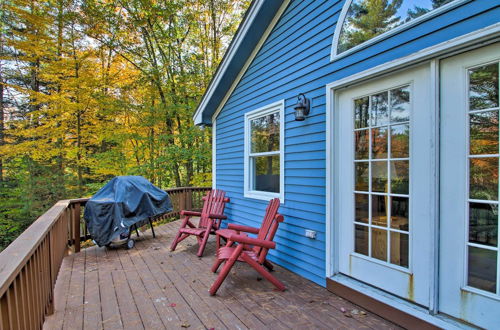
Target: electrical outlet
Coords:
[[310, 233]]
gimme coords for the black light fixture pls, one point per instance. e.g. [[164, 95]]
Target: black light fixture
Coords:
[[302, 108]]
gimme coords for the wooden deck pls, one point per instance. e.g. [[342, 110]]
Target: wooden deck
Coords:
[[150, 287]]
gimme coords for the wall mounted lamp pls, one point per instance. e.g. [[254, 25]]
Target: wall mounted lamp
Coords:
[[302, 107]]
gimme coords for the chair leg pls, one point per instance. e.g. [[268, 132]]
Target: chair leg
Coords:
[[152, 228], [216, 264], [255, 265], [178, 238], [204, 241], [225, 270]]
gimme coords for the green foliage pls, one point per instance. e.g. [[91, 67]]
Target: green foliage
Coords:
[[100, 88]]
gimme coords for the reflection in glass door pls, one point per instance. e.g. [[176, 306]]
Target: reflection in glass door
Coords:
[[381, 167]]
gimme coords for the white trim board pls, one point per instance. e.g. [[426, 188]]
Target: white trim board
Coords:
[[214, 154], [431, 54], [251, 58], [270, 108], [405, 26]]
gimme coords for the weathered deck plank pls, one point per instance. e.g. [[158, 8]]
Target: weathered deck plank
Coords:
[[150, 287]]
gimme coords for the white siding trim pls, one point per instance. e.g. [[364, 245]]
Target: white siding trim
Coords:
[[338, 28], [270, 108], [251, 57]]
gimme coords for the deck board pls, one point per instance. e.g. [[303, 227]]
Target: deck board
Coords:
[[150, 287]]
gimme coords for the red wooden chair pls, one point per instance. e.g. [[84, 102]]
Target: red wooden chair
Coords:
[[211, 217], [253, 251]]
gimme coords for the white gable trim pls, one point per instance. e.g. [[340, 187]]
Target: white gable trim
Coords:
[[251, 58], [338, 28]]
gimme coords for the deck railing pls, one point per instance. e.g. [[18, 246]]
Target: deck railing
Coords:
[[29, 265]]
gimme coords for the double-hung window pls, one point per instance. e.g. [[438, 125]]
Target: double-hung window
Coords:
[[264, 133]]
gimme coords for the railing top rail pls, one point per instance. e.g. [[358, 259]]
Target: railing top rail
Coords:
[[14, 257]]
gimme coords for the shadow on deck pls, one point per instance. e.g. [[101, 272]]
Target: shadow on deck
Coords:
[[150, 287]]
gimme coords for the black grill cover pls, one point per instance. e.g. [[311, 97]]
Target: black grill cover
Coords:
[[122, 202]]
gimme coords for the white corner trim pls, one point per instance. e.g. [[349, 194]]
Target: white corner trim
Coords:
[[214, 154], [278, 106], [251, 57], [405, 26]]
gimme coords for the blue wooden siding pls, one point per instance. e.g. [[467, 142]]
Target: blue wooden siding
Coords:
[[296, 58]]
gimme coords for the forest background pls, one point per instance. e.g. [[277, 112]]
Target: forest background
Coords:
[[98, 88]]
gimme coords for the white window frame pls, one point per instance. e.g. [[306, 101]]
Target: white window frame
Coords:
[[278, 107], [334, 56]]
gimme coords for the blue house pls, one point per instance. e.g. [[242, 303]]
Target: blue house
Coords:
[[376, 124]]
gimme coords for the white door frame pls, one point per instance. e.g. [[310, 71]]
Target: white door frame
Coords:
[[432, 54]]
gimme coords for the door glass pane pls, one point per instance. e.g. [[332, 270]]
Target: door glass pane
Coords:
[[399, 249], [379, 142], [361, 174], [380, 212], [483, 88], [400, 141], [484, 133], [379, 244], [482, 272], [382, 141], [379, 113], [361, 208], [483, 180], [265, 133], [483, 224], [379, 176], [361, 239], [267, 173], [361, 144]]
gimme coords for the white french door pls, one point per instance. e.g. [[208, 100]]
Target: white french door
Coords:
[[469, 251], [383, 177]]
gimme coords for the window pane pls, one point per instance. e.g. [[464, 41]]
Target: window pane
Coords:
[[361, 208], [399, 213], [379, 244], [399, 249], [400, 104], [361, 239], [483, 87], [400, 177], [379, 142], [361, 112], [483, 223], [379, 113], [361, 176], [483, 180], [379, 176], [484, 133], [266, 173], [482, 272], [368, 19], [265, 132], [379, 210], [362, 144], [400, 141]]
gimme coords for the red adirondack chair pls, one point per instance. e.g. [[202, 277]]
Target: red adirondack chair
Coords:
[[211, 217], [253, 251]]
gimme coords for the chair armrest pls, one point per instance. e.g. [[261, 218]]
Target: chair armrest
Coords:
[[217, 216], [252, 241], [191, 213], [246, 229]]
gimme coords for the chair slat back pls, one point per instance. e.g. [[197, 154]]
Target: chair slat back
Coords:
[[269, 227], [214, 203]]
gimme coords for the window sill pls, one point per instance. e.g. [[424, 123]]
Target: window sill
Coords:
[[262, 195]]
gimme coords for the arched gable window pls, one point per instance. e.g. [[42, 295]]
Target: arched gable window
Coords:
[[363, 22]]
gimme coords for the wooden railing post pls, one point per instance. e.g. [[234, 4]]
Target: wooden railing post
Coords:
[[76, 223], [189, 199]]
